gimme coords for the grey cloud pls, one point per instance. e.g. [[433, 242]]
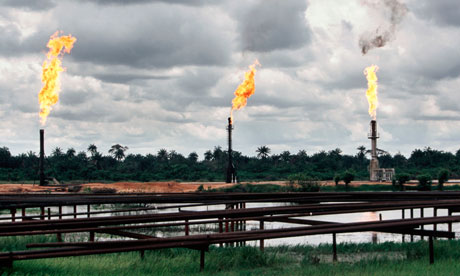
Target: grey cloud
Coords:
[[12, 45], [442, 12], [92, 113], [38, 5], [438, 118], [270, 25], [198, 81], [126, 77], [134, 2], [156, 37], [74, 97]]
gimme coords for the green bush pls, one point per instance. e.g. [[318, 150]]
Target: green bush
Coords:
[[424, 182], [443, 176], [347, 177], [402, 178], [304, 182], [337, 179], [104, 191]]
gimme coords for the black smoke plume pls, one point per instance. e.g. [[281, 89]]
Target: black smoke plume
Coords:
[[381, 36]]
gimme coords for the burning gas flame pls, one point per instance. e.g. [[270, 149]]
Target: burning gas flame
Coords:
[[49, 94], [244, 90], [371, 92]]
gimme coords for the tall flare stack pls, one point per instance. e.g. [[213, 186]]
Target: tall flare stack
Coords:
[[374, 165], [231, 171], [42, 157]]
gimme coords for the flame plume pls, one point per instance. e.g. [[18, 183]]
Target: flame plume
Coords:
[[371, 93], [244, 90], [49, 94]]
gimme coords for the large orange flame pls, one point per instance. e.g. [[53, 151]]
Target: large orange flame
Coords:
[[244, 90], [49, 95], [371, 93]]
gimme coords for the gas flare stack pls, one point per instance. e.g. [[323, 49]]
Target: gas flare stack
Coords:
[[376, 173], [42, 157], [231, 171]]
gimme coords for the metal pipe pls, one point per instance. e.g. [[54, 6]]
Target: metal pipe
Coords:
[[261, 241], [42, 157], [334, 248], [231, 177]]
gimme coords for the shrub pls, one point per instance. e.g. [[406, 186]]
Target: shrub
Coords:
[[402, 178], [424, 182], [304, 182], [443, 176], [104, 191], [347, 177], [74, 188], [337, 179]]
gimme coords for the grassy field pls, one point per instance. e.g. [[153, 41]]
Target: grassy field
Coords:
[[271, 188], [297, 260]]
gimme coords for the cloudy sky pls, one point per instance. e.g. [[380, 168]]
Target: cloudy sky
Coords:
[[152, 74]]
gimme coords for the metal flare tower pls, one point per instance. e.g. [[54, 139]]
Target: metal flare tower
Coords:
[[374, 165], [42, 157], [376, 173], [231, 171]]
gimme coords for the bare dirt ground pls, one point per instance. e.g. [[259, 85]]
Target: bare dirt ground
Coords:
[[144, 187], [162, 187]]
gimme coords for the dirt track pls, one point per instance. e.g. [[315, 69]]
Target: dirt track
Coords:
[[147, 187]]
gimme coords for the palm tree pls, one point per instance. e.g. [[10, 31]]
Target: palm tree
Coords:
[[118, 151], [92, 149], [361, 152], [57, 152], [217, 153], [263, 152], [302, 154], [162, 154], [193, 156], [285, 156], [208, 155], [70, 152]]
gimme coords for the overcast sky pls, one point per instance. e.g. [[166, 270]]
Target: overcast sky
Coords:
[[152, 74]]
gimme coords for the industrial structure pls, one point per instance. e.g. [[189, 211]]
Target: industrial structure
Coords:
[[42, 157], [231, 171], [303, 219], [375, 172]]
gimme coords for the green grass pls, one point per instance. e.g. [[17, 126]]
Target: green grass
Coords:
[[283, 260], [360, 188], [272, 188], [251, 188]]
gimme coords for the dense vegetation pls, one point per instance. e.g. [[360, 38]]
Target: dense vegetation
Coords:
[[117, 165], [359, 259]]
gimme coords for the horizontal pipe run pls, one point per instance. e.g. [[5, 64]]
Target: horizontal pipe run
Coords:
[[240, 213], [394, 226], [37, 200]]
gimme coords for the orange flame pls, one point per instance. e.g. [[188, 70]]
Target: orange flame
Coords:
[[371, 93], [49, 94], [244, 90]]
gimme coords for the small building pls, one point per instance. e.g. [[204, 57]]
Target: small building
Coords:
[[375, 172], [382, 174]]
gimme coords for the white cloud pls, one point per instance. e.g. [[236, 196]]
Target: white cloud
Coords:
[[165, 77]]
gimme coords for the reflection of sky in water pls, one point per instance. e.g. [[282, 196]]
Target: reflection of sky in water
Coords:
[[254, 225]]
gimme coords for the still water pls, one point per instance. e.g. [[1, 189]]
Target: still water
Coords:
[[359, 237]]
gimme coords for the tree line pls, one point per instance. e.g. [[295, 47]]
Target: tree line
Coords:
[[117, 164]]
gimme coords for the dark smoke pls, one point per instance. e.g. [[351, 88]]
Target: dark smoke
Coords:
[[380, 38]]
